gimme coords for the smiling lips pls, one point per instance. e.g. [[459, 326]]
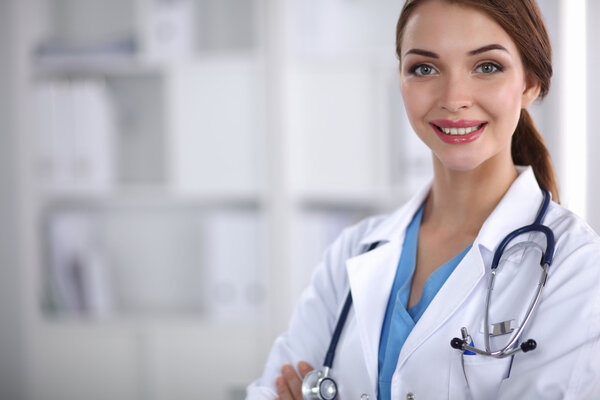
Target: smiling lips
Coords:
[[457, 132]]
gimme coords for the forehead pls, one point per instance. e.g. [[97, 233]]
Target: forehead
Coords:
[[438, 25]]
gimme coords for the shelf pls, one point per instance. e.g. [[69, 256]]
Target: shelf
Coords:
[[366, 200], [80, 66], [158, 196], [77, 66], [197, 322], [153, 259]]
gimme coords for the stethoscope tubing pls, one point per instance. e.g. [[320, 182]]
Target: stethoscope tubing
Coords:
[[337, 332], [535, 227], [510, 348]]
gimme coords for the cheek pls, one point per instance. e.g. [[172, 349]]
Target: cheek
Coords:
[[416, 102], [504, 102]]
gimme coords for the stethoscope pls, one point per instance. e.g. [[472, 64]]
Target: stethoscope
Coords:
[[319, 385]]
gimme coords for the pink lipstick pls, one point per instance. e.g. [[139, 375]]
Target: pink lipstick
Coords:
[[458, 132]]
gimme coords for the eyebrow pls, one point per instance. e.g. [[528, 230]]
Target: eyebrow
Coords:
[[487, 48], [480, 50]]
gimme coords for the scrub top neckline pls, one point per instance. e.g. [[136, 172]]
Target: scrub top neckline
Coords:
[[400, 321]]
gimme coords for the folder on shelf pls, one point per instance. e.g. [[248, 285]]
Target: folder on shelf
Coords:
[[234, 263], [74, 135], [78, 276]]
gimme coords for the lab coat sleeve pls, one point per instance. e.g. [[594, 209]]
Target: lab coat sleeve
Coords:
[[314, 316]]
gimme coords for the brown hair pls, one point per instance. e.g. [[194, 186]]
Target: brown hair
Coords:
[[523, 22]]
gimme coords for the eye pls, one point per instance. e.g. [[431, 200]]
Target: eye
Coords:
[[422, 70], [489, 68]]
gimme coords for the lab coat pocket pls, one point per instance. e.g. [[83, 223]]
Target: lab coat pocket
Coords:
[[477, 377]]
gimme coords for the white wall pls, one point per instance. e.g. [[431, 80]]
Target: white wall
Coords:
[[11, 320], [593, 62]]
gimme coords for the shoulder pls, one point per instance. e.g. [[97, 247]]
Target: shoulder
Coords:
[[357, 238], [351, 242], [348, 244], [571, 232], [570, 304], [575, 271], [381, 228]]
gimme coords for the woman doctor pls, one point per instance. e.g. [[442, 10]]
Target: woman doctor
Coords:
[[468, 70]]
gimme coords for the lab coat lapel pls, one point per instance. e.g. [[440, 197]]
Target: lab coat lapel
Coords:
[[449, 299], [371, 277]]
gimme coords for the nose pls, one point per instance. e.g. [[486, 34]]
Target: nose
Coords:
[[456, 94]]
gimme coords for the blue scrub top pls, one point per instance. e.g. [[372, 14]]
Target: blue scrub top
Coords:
[[399, 321]]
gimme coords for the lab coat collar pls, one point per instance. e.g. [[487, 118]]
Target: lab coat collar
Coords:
[[518, 208]]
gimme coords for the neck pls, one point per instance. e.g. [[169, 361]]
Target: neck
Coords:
[[461, 201]]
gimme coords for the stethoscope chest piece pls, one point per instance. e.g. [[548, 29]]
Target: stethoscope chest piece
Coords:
[[317, 385]]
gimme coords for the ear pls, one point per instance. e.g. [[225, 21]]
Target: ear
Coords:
[[531, 90]]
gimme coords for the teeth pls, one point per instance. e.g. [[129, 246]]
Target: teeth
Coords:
[[460, 131]]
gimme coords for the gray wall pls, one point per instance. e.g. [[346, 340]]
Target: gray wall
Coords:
[[12, 371]]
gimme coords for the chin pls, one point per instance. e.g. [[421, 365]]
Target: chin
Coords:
[[460, 164]]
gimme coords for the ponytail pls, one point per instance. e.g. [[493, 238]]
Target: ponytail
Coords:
[[529, 148]]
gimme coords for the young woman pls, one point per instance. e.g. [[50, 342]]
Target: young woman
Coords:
[[468, 70]]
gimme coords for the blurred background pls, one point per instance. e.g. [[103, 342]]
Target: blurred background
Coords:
[[172, 170]]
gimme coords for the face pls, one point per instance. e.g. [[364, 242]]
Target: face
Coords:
[[463, 84]]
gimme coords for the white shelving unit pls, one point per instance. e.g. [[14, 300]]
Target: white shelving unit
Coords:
[[236, 138], [138, 293]]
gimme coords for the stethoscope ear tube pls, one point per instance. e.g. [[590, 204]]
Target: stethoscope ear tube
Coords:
[[528, 345], [461, 344], [536, 226], [548, 254], [457, 343], [543, 208]]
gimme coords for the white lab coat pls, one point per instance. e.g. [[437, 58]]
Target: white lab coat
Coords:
[[566, 325]]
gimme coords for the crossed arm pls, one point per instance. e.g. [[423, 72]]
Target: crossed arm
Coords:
[[289, 384]]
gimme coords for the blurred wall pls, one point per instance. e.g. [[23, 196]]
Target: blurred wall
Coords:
[[593, 106], [11, 326]]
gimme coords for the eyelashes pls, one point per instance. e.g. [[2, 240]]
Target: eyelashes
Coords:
[[489, 68], [421, 70], [485, 68]]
